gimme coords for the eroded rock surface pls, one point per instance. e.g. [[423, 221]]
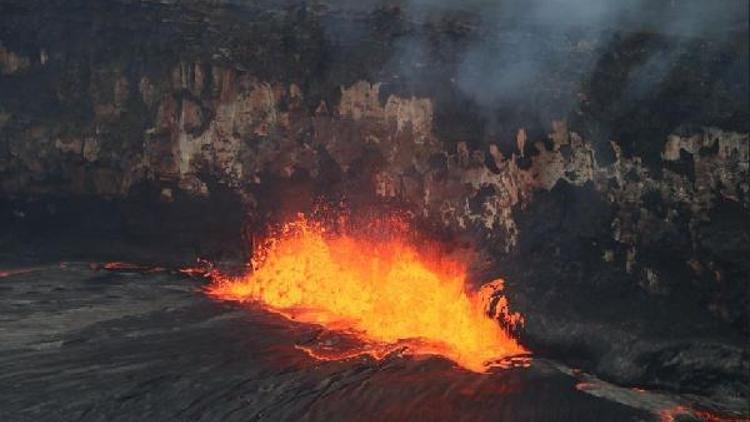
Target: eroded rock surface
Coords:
[[253, 112]]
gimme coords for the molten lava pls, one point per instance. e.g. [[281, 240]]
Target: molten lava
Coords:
[[380, 288]]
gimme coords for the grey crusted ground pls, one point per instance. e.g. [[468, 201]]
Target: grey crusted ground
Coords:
[[82, 344]]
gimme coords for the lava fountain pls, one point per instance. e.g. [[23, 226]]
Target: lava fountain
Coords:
[[377, 285]]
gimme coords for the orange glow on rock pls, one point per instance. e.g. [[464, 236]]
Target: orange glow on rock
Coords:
[[378, 286]]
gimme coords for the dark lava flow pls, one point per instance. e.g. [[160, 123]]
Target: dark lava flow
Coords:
[[84, 344]]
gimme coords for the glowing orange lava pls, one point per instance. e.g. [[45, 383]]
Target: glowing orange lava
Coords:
[[379, 287]]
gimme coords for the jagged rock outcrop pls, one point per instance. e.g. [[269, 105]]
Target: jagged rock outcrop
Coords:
[[279, 112]]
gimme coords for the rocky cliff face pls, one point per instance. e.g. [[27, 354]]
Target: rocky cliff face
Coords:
[[275, 110]]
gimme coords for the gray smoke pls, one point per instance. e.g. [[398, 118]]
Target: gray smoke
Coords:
[[540, 51]]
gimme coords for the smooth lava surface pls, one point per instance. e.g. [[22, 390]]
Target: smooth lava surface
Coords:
[[90, 345]]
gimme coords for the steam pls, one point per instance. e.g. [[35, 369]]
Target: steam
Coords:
[[675, 17], [532, 52]]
